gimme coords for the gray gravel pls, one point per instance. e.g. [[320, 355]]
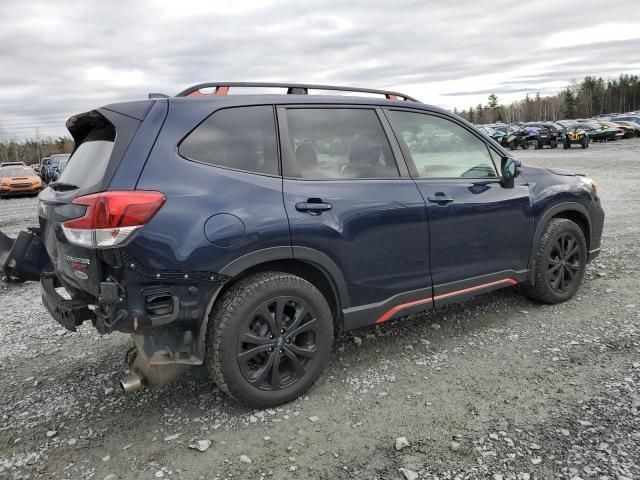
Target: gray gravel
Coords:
[[496, 388]]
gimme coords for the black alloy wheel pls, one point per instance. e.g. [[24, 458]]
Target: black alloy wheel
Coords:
[[564, 263], [278, 343]]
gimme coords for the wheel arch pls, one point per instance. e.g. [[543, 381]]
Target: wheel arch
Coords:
[[314, 266], [574, 211]]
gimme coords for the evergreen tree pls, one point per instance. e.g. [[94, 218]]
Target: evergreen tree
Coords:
[[569, 103]]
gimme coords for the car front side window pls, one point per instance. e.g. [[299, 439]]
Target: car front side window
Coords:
[[441, 148]]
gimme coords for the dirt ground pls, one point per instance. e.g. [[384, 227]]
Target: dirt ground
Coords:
[[498, 387]]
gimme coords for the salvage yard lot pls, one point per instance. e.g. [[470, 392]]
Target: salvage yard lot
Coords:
[[498, 387]]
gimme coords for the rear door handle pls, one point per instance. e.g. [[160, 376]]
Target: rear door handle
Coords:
[[440, 198], [314, 208]]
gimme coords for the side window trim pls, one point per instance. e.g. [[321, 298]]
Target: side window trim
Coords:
[[287, 155], [398, 156], [224, 167], [409, 159]]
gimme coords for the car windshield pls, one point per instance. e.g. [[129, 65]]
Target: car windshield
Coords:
[[9, 172]]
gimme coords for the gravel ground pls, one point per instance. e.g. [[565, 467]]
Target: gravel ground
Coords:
[[498, 387]]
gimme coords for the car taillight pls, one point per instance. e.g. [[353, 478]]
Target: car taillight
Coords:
[[111, 217]]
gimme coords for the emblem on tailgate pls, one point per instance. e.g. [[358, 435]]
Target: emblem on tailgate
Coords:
[[80, 274], [83, 261]]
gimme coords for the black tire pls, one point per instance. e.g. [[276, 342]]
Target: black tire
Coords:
[[584, 142], [566, 145], [538, 145], [512, 145], [525, 145], [249, 377], [560, 262]]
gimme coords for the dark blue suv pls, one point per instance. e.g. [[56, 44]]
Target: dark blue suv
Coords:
[[244, 232]]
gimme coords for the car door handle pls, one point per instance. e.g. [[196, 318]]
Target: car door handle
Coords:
[[440, 198], [314, 208]]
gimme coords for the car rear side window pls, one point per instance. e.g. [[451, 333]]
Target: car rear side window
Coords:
[[89, 161], [441, 148], [337, 143], [241, 138]]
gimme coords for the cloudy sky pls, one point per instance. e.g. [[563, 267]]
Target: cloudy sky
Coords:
[[58, 58]]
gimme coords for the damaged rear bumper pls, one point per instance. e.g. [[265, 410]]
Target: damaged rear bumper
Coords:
[[67, 312], [24, 258]]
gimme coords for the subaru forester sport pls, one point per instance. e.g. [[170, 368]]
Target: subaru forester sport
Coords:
[[244, 232]]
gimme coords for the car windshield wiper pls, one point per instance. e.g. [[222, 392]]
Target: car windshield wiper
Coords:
[[62, 186]]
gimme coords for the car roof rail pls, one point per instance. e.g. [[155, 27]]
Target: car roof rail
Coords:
[[222, 88]]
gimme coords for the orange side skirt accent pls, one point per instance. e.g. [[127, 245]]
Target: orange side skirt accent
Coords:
[[391, 312]]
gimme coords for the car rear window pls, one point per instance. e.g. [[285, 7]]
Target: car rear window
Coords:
[[89, 161], [241, 138]]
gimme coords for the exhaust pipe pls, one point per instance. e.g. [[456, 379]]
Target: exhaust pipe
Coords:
[[131, 383], [145, 374]]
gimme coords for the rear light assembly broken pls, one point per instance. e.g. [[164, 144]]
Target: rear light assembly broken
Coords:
[[111, 218]]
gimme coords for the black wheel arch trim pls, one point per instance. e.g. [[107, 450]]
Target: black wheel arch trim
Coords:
[[545, 218], [304, 254]]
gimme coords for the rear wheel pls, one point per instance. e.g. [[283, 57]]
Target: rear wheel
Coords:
[[560, 262], [566, 144], [525, 145], [538, 144], [268, 339], [512, 145]]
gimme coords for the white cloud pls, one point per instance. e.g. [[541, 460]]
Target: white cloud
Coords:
[[64, 57], [605, 32], [114, 77]]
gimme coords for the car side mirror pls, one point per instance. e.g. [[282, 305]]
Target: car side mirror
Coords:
[[511, 168]]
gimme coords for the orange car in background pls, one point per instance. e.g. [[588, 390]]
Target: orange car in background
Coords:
[[18, 180]]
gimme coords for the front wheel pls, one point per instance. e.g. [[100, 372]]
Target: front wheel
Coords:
[[585, 142], [269, 338], [560, 262]]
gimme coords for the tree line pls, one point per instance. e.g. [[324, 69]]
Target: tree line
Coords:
[[31, 151], [590, 97]]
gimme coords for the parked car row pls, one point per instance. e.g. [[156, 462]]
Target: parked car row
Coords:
[[51, 167], [564, 132], [17, 178]]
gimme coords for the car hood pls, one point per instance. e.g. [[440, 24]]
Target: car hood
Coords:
[[31, 178], [542, 170]]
